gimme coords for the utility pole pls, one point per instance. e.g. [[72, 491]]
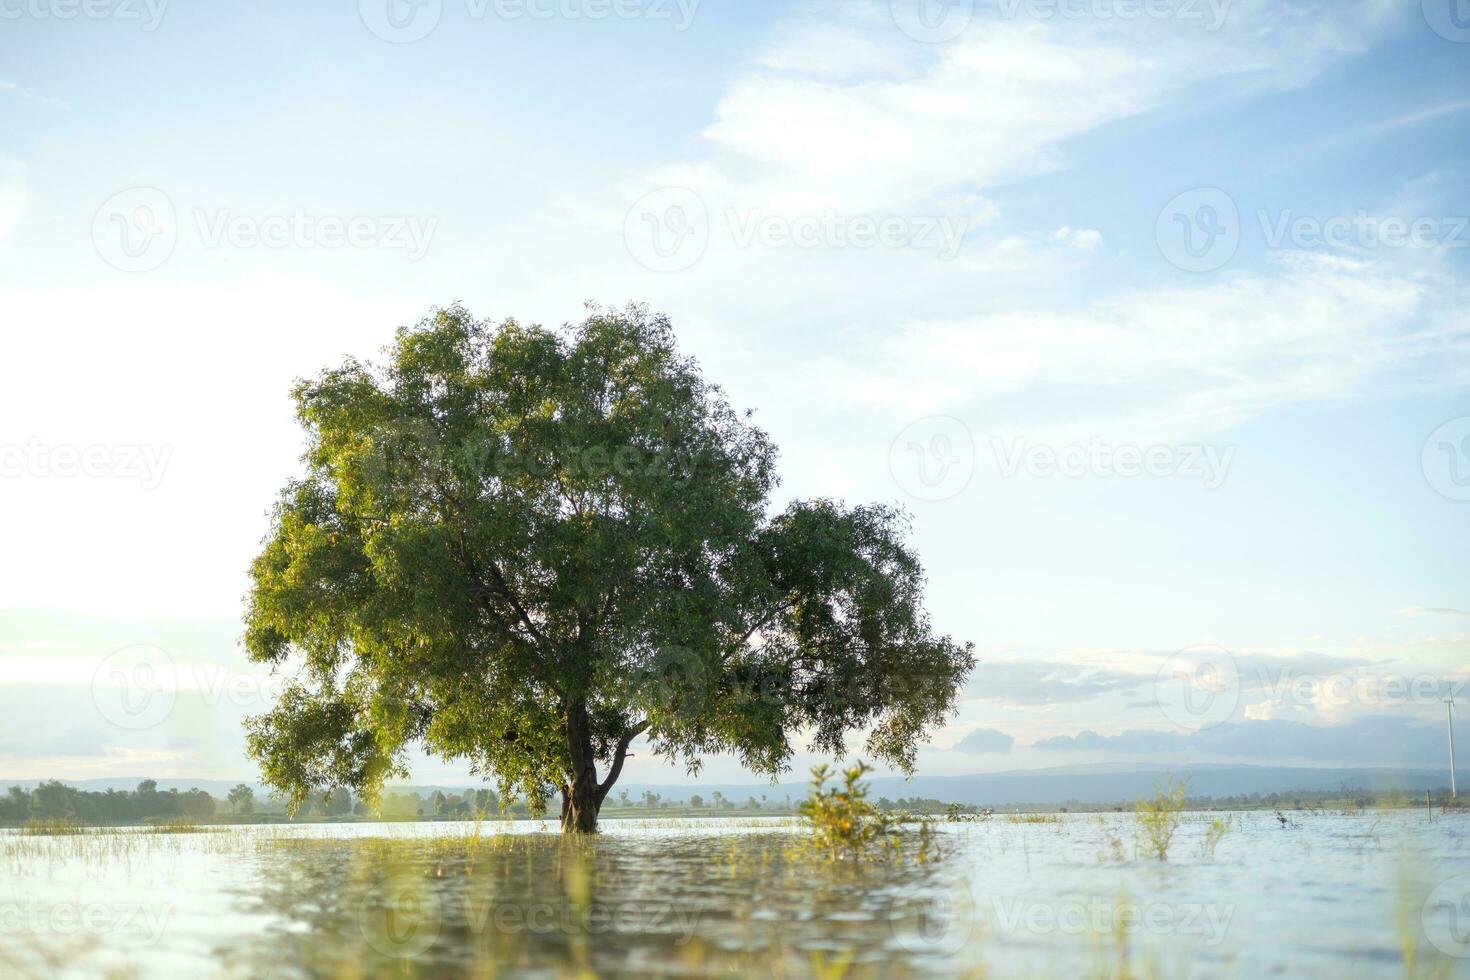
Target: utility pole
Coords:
[[1449, 710]]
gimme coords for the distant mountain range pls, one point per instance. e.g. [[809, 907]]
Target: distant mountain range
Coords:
[[1105, 783]]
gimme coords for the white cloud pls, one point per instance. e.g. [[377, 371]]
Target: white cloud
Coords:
[[1209, 357], [848, 116], [13, 194]]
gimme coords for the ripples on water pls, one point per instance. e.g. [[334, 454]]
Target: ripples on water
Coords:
[[1337, 895]]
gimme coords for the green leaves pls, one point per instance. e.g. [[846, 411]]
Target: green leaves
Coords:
[[502, 526]]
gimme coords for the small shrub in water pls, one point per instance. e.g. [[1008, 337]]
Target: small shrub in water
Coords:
[[1158, 818], [1214, 833], [845, 825]]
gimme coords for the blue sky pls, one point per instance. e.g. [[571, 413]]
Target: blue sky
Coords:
[[944, 250]]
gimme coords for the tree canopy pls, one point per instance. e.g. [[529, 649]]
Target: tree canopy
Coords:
[[526, 548]]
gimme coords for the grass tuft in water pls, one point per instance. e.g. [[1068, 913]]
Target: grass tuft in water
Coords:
[[1159, 817]]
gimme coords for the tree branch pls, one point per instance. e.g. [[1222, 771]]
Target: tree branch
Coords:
[[780, 608], [618, 757]]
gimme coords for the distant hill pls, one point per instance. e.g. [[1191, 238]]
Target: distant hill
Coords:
[[1106, 783]]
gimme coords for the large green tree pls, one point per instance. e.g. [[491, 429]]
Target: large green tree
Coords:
[[526, 548]]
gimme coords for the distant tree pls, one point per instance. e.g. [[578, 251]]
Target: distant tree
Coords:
[[338, 803], [696, 801], [15, 807], [650, 799], [53, 801], [242, 799], [526, 548]]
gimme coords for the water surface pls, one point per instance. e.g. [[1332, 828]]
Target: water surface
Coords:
[[1330, 894]]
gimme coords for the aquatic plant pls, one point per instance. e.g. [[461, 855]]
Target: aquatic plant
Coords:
[[1033, 818], [52, 827], [1214, 833], [844, 823], [1158, 818]]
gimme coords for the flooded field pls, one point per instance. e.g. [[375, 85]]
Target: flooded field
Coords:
[[1370, 894]]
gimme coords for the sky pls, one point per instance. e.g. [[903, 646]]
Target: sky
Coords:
[[1152, 313]]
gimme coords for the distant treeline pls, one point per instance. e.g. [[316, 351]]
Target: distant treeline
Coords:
[[147, 804], [57, 801]]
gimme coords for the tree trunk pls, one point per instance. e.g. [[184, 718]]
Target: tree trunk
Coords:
[[580, 799]]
